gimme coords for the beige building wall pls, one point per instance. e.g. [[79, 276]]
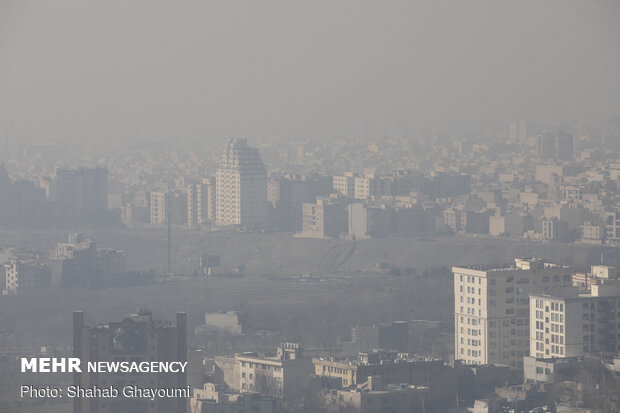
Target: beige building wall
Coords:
[[573, 323], [158, 208], [492, 315]]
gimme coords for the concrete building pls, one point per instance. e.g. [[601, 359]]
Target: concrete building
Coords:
[[281, 375], [547, 370], [373, 397], [21, 276], [382, 220], [366, 186], [81, 192], [452, 219], [592, 233], [557, 145], [137, 338], [201, 202], [386, 336], [345, 185], [286, 195], [571, 323], [213, 399], [443, 185], [327, 218], [168, 205], [74, 263], [230, 321], [612, 226], [110, 261], [549, 174], [390, 368], [491, 307], [158, 208], [241, 187]]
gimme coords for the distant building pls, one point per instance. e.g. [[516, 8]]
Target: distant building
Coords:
[[110, 261], [81, 192], [373, 397], [213, 399], [241, 187], [79, 263], [168, 205], [136, 338], [201, 202], [549, 174], [327, 218], [492, 316], [282, 375], [74, 263], [345, 185], [366, 187], [382, 220], [20, 276], [592, 233], [158, 208], [390, 368], [443, 185], [550, 369], [612, 226], [386, 336], [230, 321], [557, 145]]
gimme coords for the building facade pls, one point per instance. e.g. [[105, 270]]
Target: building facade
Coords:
[[241, 187], [573, 323], [201, 202], [492, 316], [137, 338]]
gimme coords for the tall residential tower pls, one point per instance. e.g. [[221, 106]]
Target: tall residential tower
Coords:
[[241, 187]]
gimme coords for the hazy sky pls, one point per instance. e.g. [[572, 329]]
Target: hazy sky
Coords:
[[83, 69]]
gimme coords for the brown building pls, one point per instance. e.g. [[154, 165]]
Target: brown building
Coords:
[[138, 339]]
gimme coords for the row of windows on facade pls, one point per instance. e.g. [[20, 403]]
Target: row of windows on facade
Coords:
[[260, 366]]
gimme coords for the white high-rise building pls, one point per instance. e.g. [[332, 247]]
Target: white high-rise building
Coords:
[[241, 187], [491, 309]]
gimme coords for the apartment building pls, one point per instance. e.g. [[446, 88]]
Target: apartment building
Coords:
[[158, 208], [366, 186], [241, 187], [137, 338], [491, 309], [212, 398], [20, 276], [201, 202], [81, 192], [571, 323], [345, 185], [279, 375], [327, 218], [389, 368]]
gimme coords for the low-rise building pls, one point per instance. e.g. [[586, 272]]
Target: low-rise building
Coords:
[[19, 276], [372, 397], [389, 368], [281, 375], [213, 399]]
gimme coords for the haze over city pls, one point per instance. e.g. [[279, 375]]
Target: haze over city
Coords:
[[308, 207], [151, 70]]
